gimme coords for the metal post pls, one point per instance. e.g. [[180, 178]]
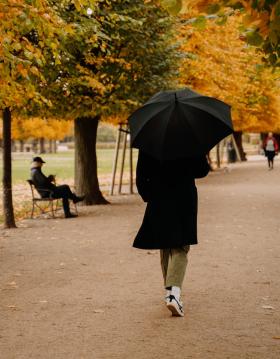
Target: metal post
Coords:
[[236, 148], [122, 162], [130, 168], [222, 150], [116, 160]]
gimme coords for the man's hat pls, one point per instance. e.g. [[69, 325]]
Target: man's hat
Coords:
[[38, 159]]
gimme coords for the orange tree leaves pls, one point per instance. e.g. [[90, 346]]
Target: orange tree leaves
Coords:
[[261, 21], [217, 63], [51, 128], [29, 31]]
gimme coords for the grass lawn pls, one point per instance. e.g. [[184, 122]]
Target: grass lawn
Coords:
[[61, 164]]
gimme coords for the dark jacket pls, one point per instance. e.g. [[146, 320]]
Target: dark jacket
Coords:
[[170, 220], [42, 183]]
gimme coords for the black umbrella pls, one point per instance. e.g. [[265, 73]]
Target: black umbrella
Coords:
[[183, 123]]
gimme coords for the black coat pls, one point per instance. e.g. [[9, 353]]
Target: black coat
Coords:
[[170, 220], [41, 182]]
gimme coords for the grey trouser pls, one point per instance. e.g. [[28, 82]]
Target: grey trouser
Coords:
[[173, 264]]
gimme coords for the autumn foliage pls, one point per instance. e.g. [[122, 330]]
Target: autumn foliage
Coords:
[[51, 129], [260, 20], [218, 63]]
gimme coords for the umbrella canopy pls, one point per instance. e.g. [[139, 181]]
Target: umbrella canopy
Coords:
[[183, 123]]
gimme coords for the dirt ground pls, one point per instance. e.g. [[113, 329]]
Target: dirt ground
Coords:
[[76, 289]]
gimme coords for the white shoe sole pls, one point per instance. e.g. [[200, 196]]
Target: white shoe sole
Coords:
[[176, 312]]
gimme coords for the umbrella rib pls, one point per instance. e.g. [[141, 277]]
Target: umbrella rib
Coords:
[[207, 109], [151, 119], [189, 125]]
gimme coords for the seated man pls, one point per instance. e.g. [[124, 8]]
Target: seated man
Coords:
[[47, 188]]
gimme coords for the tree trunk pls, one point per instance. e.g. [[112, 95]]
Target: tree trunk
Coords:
[[238, 139], [209, 159], [35, 146], [86, 180], [13, 145], [21, 146], [42, 145], [54, 146], [218, 155], [50, 146], [9, 219]]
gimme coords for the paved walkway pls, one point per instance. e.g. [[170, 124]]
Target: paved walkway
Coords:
[[75, 289]]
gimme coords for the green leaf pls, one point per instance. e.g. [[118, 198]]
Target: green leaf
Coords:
[[277, 9], [200, 22], [222, 20], [172, 6], [254, 38], [213, 9], [272, 58], [273, 37]]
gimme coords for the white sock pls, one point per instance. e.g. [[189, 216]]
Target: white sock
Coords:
[[168, 292], [176, 291]]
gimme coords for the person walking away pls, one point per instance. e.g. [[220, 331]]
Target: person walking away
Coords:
[[170, 220], [46, 188], [271, 149]]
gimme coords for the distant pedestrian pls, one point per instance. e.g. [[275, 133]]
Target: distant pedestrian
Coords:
[[170, 221], [46, 187], [271, 149]]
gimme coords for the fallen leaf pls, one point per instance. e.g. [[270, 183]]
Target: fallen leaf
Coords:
[[267, 307], [98, 311], [278, 338]]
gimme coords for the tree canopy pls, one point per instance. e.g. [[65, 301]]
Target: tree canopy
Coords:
[[261, 20], [117, 55], [218, 63], [30, 32], [51, 129]]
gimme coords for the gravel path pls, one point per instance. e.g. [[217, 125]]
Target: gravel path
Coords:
[[75, 289]]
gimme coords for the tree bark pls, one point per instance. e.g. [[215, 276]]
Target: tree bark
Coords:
[[13, 146], [21, 146], [238, 139], [209, 161], [86, 180], [35, 146], [42, 145], [218, 155], [50, 146], [9, 219]]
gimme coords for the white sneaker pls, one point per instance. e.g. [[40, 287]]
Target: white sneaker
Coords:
[[166, 298], [175, 306]]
